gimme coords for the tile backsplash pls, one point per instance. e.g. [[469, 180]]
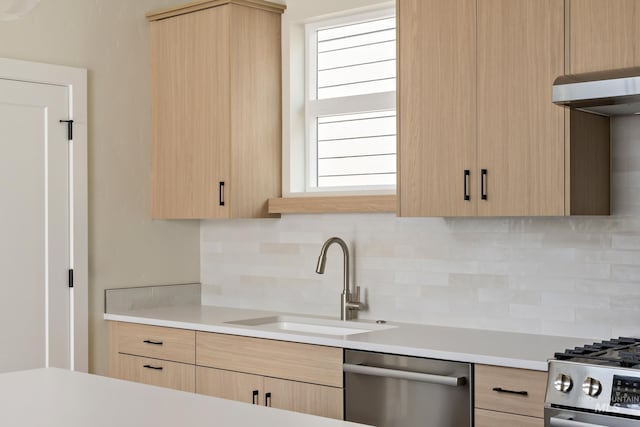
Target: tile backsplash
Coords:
[[122, 300], [577, 276]]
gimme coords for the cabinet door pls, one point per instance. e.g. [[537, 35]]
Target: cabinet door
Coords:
[[162, 373], [605, 34], [436, 107], [520, 131], [229, 385], [190, 112], [256, 111], [303, 397]]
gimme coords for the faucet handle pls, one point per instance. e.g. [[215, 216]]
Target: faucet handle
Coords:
[[357, 294]]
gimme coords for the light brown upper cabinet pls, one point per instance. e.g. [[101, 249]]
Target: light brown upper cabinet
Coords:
[[478, 133], [520, 131], [216, 109], [436, 107], [604, 34]]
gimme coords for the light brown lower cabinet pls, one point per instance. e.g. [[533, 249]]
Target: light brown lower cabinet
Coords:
[[163, 357], [484, 418], [286, 375], [303, 397], [229, 385], [278, 393], [307, 363], [508, 397], [176, 345], [162, 373], [291, 376]]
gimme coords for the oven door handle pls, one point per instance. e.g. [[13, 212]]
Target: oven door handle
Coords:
[[404, 375], [563, 422]]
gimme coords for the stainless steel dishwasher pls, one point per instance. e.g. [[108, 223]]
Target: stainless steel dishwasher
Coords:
[[400, 391]]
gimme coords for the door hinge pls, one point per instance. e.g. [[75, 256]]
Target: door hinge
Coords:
[[71, 278], [69, 128]]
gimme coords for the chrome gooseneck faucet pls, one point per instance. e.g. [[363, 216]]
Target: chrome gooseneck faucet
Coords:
[[348, 307]]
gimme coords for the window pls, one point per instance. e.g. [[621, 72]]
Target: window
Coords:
[[350, 117]]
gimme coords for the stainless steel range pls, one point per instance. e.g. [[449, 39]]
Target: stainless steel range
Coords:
[[595, 386]]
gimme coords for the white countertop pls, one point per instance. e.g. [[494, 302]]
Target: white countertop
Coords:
[[508, 349], [58, 398]]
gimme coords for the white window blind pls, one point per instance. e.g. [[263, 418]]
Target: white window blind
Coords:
[[351, 118]]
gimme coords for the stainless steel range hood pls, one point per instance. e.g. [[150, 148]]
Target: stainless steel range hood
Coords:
[[607, 93]]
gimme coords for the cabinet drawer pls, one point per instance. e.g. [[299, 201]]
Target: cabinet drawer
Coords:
[[484, 418], [293, 361], [153, 341], [156, 372], [488, 378]]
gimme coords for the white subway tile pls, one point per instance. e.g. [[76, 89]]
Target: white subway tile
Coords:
[[625, 273], [542, 312], [579, 301], [421, 278], [588, 330], [626, 241]]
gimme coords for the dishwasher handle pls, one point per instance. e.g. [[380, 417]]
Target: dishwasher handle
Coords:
[[404, 375], [567, 422]]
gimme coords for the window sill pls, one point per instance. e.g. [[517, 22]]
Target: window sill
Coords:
[[333, 204]]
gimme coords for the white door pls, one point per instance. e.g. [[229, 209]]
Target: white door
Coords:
[[35, 317]]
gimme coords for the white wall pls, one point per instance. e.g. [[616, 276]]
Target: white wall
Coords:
[[110, 38], [577, 276]]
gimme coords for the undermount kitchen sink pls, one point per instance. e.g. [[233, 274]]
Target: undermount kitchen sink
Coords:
[[310, 325]]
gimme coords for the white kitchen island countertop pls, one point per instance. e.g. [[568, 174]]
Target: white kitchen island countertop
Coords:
[[59, 398], [509, 349]]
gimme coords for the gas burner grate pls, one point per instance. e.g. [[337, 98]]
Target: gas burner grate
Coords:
[[630, 357], [622, 351]]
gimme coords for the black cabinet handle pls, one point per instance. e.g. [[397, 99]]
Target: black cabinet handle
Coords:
[[157, 368], [221, 193], [467, 174], [267, 399], [483, 185], [152, 342], [255, 397], [504, 390]]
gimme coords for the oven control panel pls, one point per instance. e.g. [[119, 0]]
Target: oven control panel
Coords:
[[599, 389], [625, 392]]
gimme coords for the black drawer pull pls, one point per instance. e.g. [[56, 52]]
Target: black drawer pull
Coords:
[[255, 397], [157, 368], [267, 399], [467, 174], [152, 342], [504, 390], [221, 193], [483, 185]]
